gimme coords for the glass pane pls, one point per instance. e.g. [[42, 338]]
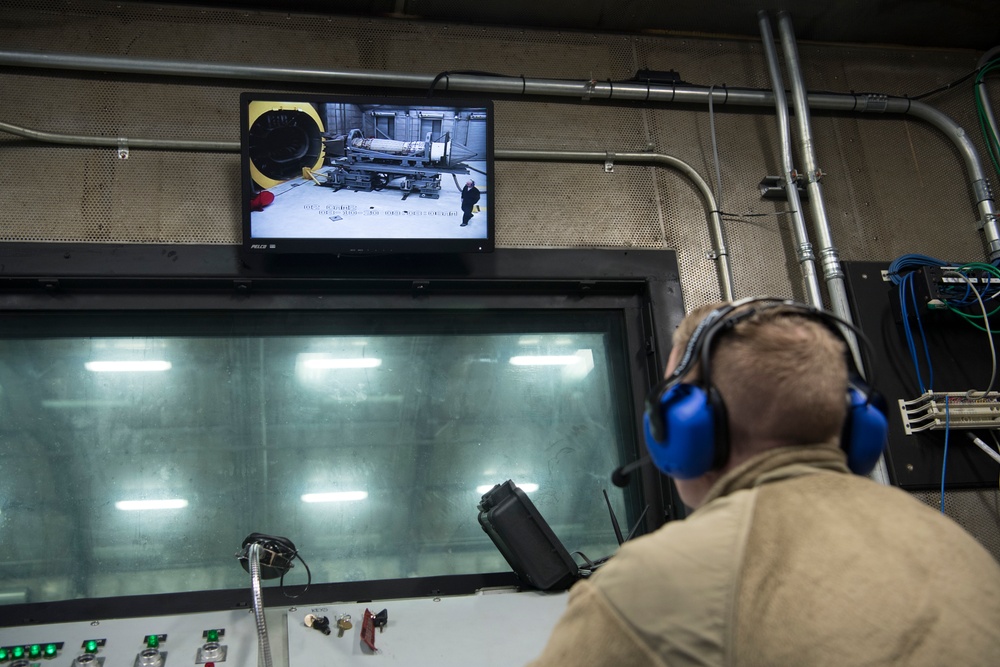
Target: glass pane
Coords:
[[136, 463]]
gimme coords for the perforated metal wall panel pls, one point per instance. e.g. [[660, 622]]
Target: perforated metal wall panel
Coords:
[[975, 510], [892, 184]]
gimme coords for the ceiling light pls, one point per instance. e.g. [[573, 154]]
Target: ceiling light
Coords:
[[127, 366], [331, 362], [334, 497], [545, 360], [171, 504], [82, 403]]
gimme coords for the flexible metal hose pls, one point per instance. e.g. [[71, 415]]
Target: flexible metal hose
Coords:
[[263, 645]]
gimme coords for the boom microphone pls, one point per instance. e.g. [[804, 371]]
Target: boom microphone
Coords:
[[620, 475]]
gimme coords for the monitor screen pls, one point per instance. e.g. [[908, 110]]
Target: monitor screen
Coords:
[[366, 175]]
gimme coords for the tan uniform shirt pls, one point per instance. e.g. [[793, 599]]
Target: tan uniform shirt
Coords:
[[791, 561]]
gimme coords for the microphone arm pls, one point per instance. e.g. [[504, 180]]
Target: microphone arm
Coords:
[[620, 476]]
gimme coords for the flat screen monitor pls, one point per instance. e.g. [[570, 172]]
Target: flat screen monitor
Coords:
[[366, 175]]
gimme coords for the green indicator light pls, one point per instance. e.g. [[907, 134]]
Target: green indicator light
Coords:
[[213, 635], [152, 641], [90, 646], [35, 650], [4, 654], [18, 652], [50, 650]]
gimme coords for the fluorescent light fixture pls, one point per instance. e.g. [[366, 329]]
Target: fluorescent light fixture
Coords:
[[527, 487], [545, 360], [129, 344], [83, 403], [314, 368], [171, 504], [334, 497], [127, 366], [333, 362]]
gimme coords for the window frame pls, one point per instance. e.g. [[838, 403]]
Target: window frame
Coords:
[[643, 285]]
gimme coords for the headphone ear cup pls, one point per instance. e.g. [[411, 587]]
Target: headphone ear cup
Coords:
[[721, 415], [685, 446], [866, 431]]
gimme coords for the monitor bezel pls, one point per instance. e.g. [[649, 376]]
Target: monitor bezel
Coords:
[[264, 245]]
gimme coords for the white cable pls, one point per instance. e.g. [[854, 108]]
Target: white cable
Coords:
[[263, 645], [986, 448], [986, 325]]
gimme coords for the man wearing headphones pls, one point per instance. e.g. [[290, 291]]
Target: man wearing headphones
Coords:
[[791, 556]]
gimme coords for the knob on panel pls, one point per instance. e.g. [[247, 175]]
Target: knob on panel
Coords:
[[149, 657]]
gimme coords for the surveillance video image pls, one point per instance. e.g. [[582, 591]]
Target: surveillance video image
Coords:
[[339, 170]]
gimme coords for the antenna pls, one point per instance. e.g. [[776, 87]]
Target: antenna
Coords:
[[614, 519]]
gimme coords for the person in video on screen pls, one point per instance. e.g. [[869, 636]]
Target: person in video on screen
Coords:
[[788, 557], [470, 197]]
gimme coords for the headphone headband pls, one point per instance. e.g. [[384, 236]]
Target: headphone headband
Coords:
[[699, 345], [682, 419]]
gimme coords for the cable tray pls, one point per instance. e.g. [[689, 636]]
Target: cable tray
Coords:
[[966, 410]]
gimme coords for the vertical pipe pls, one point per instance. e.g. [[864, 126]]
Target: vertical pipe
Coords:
[[804, 247], [981, 89], [983, 188], [831, 262], [828, 253]]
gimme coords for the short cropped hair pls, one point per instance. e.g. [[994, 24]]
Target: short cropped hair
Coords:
[[781, 375]]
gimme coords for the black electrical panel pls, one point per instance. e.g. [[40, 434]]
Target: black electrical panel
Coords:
[[959, 358]]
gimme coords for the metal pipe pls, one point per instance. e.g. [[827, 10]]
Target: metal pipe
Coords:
[[980, 182], [991, 120], [983, 94], [716, 230], [829, 256], [624, 90], [119, 142], [646, 92], [804, 247]]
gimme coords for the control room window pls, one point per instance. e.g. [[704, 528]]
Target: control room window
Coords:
[[140, 448]]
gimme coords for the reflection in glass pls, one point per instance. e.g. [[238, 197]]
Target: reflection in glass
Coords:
[[368, 446]]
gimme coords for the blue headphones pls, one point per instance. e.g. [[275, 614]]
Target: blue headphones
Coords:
[[686, 425]]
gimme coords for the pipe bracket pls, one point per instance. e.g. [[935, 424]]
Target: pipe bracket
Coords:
[[609, 163], [122, 148]]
